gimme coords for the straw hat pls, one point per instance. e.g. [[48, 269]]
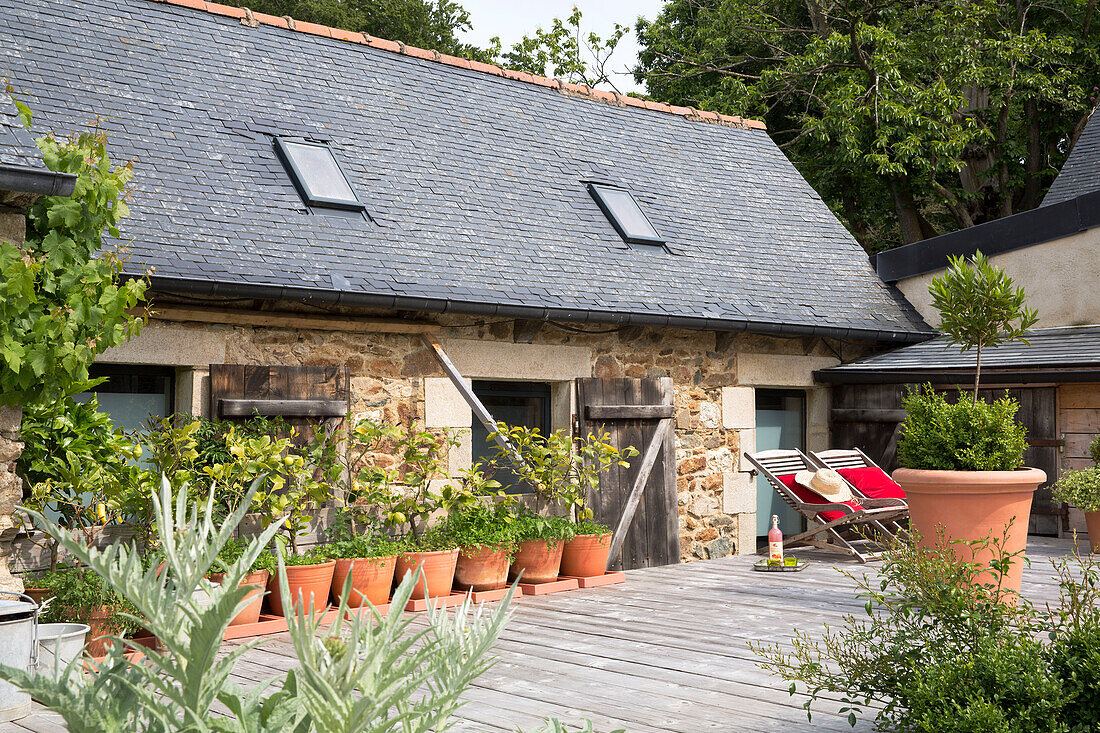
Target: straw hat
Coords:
[[825, 482]]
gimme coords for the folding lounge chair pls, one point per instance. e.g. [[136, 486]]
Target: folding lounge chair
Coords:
[[866, 479], [824, 520]]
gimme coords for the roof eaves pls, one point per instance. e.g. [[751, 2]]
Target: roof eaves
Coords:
[[255, 20], [1028, 228]]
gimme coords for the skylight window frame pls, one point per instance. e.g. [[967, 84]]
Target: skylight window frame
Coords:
[[297, 177], [596, 191]]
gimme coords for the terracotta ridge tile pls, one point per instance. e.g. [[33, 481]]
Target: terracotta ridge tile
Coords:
[[254, 20]]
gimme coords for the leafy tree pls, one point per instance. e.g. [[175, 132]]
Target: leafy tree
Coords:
[[433, 24], [980, 306], [911, 117], [566, 52], [62, 301]]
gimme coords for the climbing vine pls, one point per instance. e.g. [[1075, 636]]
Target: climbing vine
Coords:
[[62, 297]]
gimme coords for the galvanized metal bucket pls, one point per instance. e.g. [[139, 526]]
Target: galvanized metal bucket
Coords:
[[18, 648], [59, 644]]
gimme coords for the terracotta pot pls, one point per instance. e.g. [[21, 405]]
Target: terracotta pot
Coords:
[[101, 624], [482, 567], [371, 580], [586, 555], [973, 505], [537, 562], [38, 595], [251, 612], [305, 582], [1092, 521], [439, 572]]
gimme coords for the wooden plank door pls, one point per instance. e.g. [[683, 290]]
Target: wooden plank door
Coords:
[[653, 537]]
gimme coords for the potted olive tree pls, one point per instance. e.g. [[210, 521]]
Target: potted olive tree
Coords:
[[1082, 490], [962, 461]]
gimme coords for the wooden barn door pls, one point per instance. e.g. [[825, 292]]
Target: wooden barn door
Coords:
[[638, 413]]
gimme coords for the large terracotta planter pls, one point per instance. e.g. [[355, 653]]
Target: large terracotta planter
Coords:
[[539, 561], [250, 614], [304, 582], [973, 505], [439, 572], [482, 567], [1092, 521], [101, 625], [586, 555], [371, 580]]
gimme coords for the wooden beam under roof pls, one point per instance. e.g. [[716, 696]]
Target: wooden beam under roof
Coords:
[[288, 319]]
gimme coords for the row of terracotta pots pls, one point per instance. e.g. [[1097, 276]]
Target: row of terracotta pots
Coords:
[[479, 568]]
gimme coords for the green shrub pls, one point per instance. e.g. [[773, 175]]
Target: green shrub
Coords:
[[1080, 489], [590, 527], [1000, 685], [938, 653], [1094, 450], [76, 593], [530, 526], [962, 435], [359, 547], [480, 525]]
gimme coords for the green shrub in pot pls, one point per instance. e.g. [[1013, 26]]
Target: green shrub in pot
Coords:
[[540, 540], [940, 435], [483, 532], [1080, 489], [962, 462]]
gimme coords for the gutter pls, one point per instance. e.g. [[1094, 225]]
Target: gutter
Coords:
[[204, 288], [36, 181]]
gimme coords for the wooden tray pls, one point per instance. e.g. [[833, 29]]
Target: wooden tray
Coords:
[[764, 567]]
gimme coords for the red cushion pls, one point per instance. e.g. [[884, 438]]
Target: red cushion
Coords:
[[810, 496], [873, 482]]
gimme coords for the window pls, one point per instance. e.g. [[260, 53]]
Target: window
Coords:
[[516, 403], [132, 394], [318, 177], [624, 213]]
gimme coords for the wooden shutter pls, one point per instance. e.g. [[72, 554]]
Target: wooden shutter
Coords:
[[302, 395]]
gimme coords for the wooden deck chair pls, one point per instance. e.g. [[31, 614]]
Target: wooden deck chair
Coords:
[[866, 479], [825, 521]]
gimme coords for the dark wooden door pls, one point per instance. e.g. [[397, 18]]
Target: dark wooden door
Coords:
[[653, 537]]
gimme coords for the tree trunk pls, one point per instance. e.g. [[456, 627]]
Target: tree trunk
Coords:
[[977, 373], [911, 224], [1033, 164]]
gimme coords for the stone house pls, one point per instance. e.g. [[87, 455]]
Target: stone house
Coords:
[[309, 198], [1053, 251]]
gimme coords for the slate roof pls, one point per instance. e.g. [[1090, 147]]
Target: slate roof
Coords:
[[17, 147], [1049, 348], [1080, 173], [473, 181]]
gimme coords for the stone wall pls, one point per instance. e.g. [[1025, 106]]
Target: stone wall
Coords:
[[395, 377], [12, 229]]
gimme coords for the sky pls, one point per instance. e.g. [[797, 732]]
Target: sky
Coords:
[[513, 19]]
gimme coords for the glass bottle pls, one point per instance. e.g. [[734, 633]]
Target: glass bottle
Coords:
[[775, 543]]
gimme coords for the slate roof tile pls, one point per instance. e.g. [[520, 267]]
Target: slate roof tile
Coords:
[[472, 180], [1080, 173]]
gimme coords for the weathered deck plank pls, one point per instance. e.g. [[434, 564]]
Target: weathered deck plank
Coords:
[[666, 651]]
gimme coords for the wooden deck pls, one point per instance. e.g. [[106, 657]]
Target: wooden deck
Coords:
[[666, 651]]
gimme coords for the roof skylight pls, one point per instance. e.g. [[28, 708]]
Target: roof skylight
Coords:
[[317, 175], [624, 213]]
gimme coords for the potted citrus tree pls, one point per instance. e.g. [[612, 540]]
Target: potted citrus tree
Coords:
[[962, 462], [540, 540], [367, 556], [483, 532], [564, 472], [1082, 490]]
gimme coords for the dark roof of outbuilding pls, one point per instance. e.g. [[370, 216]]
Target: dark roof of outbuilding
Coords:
[[1080, 173], [1063, 349], [472, 178]]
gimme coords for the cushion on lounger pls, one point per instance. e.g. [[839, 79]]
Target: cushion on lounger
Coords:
[[812, 497], [873, 482]]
